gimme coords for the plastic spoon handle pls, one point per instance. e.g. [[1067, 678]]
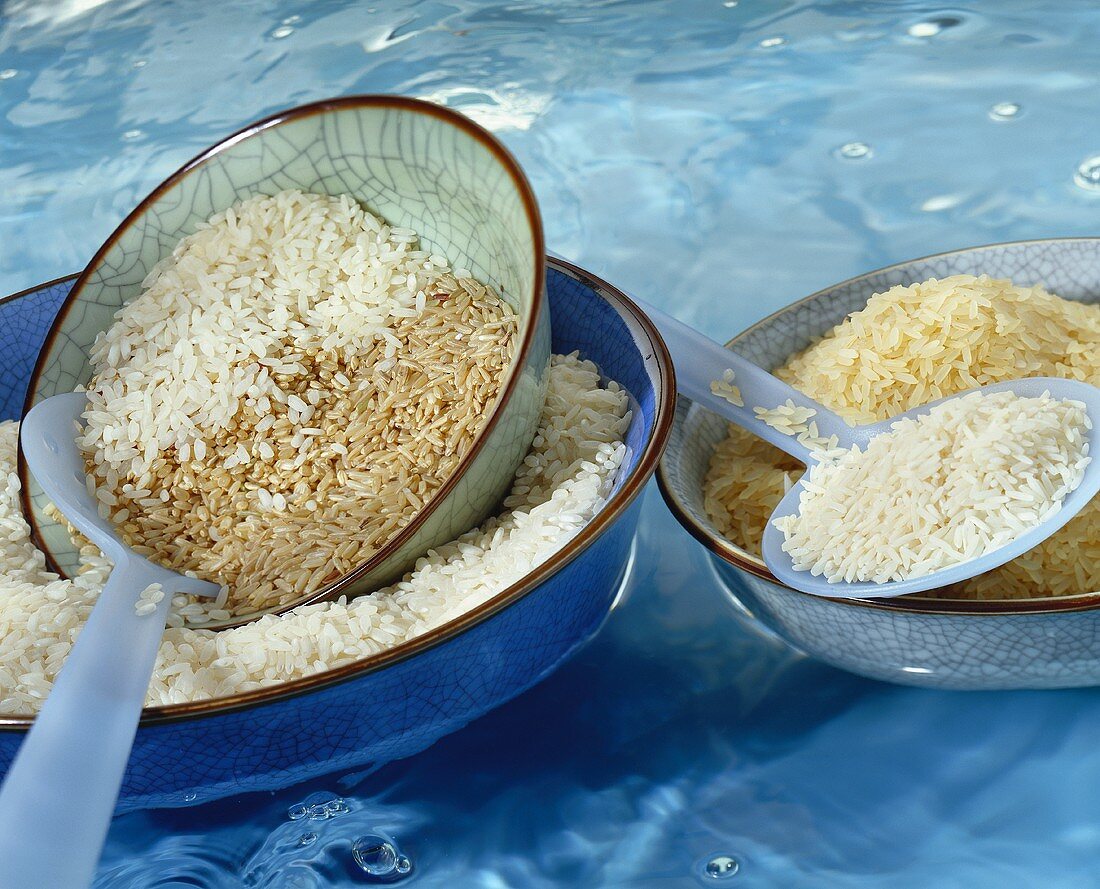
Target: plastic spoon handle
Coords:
[[58, 796], [699, 361]]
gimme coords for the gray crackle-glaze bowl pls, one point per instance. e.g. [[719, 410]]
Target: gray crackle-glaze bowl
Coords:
[[397, 702], [916, 640], [414, 164]]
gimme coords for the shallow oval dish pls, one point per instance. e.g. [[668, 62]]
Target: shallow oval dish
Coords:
[[414, 164], [395, 703], [1042, 642]]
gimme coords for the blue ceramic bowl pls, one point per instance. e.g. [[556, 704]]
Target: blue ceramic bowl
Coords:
[[398, 702], [916, 640]]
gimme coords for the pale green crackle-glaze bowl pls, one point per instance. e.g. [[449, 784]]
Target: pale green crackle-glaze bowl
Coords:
[[416, 165], [1040, 642]]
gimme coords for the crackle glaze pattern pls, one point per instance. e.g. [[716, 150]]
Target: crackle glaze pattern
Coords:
[[909, 640], [413, 164], [404, 705]]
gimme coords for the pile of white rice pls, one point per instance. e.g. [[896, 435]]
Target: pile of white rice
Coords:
[[799, 423], [294, 383], [969, 477], [559, 487], [907, 347]]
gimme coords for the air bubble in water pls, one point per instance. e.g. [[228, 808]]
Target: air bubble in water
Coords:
[[190, 797], [941, 202], [307, 839], [292, 20], [730, 4], [932, 27], [140, 63], [1088, 173], [1004, 111], [319, 807], [722, 867], [854, 151], [8, 74], [377, 856], [374, 855], [131, 135], [333, 808], [282, 31], [924, 29], [770, 42]]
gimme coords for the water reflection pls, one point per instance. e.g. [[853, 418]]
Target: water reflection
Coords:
[[675, 154]]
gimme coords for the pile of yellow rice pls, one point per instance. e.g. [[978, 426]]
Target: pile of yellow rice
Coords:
[[908, 346]]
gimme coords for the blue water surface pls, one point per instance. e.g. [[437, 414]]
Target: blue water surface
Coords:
[[720, 159]]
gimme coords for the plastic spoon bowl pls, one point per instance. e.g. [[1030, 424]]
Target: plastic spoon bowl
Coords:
[[699, 361], [58, 795]]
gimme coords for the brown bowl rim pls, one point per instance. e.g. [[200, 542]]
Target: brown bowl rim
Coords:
[[926, 605], [418, 106], [608, 513]]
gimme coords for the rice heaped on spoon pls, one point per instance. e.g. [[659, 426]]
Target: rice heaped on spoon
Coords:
[[967, 478]]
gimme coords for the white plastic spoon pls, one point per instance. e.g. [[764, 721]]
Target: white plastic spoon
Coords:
[[58, 796]]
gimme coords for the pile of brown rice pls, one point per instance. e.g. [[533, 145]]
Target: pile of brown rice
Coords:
[[561, 485], [908, 346], [294, 383]]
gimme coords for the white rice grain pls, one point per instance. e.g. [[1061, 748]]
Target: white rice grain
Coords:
[[203, 394], [967, 478], [556, 492]]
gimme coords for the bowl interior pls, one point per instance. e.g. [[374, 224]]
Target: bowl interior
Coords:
[[414, 164], [1068, 267]]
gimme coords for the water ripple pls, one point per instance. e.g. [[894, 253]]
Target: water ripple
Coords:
[[676, 155]]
